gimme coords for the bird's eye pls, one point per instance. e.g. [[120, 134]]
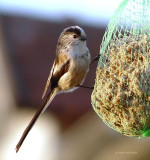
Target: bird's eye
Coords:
[[74, 36]]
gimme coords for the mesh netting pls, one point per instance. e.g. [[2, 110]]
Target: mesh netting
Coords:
[[121, 95]]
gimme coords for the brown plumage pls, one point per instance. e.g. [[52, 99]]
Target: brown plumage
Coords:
[[68, 71]]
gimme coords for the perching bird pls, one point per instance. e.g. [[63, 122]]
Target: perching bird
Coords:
[[68, 71]]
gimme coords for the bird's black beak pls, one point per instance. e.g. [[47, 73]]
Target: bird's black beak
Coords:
[[83, 38]]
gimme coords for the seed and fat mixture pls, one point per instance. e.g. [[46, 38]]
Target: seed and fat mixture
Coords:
[[121, 95]]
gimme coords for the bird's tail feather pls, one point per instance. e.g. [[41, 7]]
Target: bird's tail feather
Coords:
[[40, 110]]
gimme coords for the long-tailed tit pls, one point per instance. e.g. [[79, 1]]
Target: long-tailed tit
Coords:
[[68, 71]]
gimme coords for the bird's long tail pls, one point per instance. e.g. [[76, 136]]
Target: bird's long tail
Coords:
[[40, 110]]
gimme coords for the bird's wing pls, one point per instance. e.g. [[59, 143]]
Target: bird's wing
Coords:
[[59, 68], [48, 80], [59, 72]]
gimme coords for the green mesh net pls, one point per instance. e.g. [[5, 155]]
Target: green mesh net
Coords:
[[121, 95]]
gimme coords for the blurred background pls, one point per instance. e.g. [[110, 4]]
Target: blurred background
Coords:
[[69, 129]]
